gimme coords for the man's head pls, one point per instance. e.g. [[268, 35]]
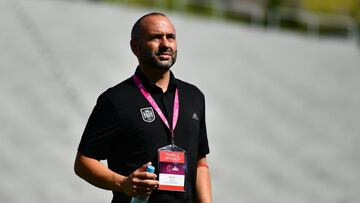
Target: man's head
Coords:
[[153, 41]]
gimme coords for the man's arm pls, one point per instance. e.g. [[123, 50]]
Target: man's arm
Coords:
[[97, 174], [203, 184]]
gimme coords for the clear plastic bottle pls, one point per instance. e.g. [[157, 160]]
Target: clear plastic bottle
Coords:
[[143, 199]]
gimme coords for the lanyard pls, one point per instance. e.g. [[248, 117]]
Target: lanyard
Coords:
[[152, 102]]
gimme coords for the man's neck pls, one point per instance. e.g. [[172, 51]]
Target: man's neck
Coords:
[[159, 77]]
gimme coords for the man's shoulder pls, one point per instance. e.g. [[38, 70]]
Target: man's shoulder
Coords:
[[121, 87], [189, 87], [118, 92]]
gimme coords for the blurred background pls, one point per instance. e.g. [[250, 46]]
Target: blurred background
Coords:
[[330, 17], [281, 80]]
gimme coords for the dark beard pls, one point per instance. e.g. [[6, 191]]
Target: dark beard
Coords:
[[153, 61]]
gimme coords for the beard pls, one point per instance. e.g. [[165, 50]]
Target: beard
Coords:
[[153, 60]]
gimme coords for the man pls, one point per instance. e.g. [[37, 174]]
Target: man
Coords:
[[146, 116]]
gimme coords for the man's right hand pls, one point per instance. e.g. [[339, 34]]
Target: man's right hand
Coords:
[[139, 182], [99, 175]]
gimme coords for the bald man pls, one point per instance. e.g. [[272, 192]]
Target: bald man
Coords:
[[151, 118]]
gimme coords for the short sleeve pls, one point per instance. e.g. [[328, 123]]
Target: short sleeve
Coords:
[[102, 125], [203, 141]]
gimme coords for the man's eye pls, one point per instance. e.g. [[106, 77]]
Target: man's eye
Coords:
[[157, 37], [171, 37]]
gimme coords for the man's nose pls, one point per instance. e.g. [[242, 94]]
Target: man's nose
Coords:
[[165, 42]]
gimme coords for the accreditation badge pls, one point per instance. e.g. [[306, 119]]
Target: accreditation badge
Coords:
[[172, 168]]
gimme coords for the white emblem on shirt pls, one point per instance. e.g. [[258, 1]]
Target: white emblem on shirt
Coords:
[[194, 116], [148, 114]]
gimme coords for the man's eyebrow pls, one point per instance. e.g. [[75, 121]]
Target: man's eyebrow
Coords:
[[155, 34]]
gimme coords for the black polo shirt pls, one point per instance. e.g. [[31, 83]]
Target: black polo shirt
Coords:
[[125, 130]]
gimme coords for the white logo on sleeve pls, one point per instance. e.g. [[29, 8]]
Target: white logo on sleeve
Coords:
[[148, 114], [194, 116]]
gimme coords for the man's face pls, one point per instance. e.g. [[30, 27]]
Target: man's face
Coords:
[[156, 47]]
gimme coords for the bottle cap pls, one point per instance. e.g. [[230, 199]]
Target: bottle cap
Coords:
[[150, 169]]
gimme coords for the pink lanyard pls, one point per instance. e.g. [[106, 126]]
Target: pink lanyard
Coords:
[[150, 99]]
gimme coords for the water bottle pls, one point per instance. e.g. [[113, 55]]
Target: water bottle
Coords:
[[143, 199]]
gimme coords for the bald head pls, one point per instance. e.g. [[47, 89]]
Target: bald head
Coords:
[[137, 28]]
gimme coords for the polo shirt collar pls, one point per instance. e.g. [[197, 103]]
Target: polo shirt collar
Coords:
[[151, 86]]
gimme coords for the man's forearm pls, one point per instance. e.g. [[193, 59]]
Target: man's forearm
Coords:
[[97, 174], [203, 183]]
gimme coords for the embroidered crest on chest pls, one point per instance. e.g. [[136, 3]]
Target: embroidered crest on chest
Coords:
[[147, 114]]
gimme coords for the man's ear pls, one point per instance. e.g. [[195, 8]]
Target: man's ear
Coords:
[[134, 47]]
